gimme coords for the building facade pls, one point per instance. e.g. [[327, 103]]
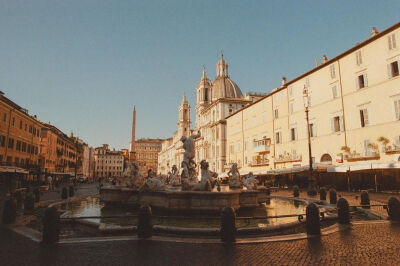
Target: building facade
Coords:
[[108, 164], [146, 154], [19, 135], [214, 102], [354, 111]]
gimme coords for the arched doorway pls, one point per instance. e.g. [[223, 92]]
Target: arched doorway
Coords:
[[326, 159]]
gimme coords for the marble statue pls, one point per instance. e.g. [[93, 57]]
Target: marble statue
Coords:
[[208, 178], [188, 164], [174, 178], [250, 182], [234, 177], [153, 184], [132, 176]]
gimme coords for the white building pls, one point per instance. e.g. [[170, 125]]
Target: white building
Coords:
[[108, 163]]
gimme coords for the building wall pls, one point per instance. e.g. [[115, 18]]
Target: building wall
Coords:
[[19, 135], [146, 151], [257, 121], [108, 163]]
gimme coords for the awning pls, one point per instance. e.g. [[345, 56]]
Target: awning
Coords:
[[13, 169], [390, 165], [338, 169]]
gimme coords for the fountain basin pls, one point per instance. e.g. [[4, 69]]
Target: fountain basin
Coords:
[[175, 200]]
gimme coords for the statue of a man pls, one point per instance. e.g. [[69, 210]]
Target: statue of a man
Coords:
[[188, 158]]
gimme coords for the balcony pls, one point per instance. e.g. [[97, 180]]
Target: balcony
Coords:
[[365, 156], [262, 146], [288, 158], [391, 149], [259, 162]]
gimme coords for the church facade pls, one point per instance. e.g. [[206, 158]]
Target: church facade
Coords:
[[214, 102]]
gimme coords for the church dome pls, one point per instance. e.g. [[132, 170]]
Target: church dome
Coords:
[[223, 86]]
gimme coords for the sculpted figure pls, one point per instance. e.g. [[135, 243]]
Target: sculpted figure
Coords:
[[250, 182], [133, 177], [153, 184], [174, 179], [208, 178], [188, 164], [234, 177]]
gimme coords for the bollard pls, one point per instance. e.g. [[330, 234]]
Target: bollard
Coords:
[[365, 199], [322, 194], [71, 191], [51, 226], [9, 211], [29, 202], [36, 193], [296, 191], [332, 196], [228, 225], [343, 211], [145, 226], [393, 209], [64, 193], [313, 224]]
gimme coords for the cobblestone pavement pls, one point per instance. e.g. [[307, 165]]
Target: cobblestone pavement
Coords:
[[363, 244]]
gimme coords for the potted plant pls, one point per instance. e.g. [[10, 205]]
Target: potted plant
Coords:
[[384, 141], [374, 148], [346, 151]]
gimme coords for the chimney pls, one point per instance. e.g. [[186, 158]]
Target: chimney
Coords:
[[316, 62], [324, 59], [283, 82], [374, 31]]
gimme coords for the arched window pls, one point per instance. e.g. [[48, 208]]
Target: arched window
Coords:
[[206, 95], [326, 159]]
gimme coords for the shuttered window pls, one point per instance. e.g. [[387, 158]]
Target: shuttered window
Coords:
[[392, 41], [332, 71], [396, 107], [364, 117], [334, 92], [359, 59]]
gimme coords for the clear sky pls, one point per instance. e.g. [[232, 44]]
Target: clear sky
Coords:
[[83, 65]]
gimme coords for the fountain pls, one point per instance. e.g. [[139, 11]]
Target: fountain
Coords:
[[186, 192]]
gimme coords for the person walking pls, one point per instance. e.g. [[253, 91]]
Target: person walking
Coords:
[[50, 182]]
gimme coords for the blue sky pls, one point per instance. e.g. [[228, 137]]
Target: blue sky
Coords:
[[83, 65]]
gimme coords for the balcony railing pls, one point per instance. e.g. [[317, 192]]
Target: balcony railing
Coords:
[[288, 158], [262, 146], [259, 162], [391, 149], [365, 156]]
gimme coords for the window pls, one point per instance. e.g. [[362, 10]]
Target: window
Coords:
[[18, 146], [358, 58], [364, 117], [238, 146], [396, 108], [10, 143], [278, 137], [282, 95], [361, 81], [337, 123], [264, 118], [312, 129], [246, 144], [290, 91], [334, 92], [232, 148], [291, 108], [4, 117], [20, 124], [393, 69], [293, 134], [392, 41], [13, 121], [332, 71], [276, 113], [275, 98], [2, 141]]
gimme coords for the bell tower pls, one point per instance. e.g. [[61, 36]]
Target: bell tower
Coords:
[[184, 117], [203, 95]]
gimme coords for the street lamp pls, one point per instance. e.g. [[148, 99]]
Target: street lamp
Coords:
[[311, 191]]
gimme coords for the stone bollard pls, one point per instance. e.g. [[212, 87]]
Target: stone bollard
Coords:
[[228, 225], [36, 193], [64, 193], [145, 226], [322, 194], [332, 196], [296, 191], [29, 202], [9, 211], [393, 209], [51, 226], [313, 224], [71, 191], [365, 199], [343, 211]]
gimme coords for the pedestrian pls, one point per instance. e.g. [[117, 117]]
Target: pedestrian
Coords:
[[50, 182]]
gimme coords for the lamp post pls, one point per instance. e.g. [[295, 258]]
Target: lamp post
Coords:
[[311, 191]]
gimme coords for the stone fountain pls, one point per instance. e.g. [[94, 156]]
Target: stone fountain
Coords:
[[194, 194]]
